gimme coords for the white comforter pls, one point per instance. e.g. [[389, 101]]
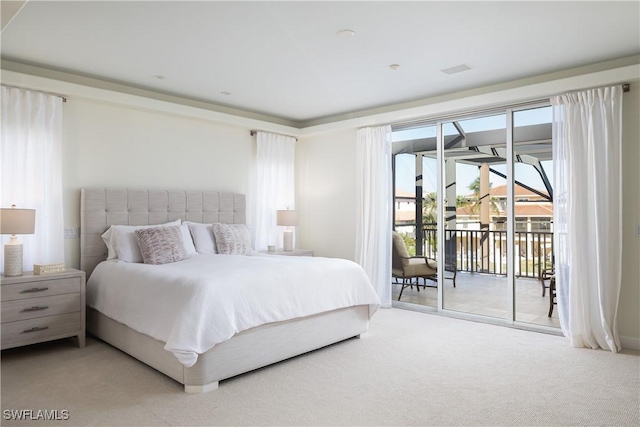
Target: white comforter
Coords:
[[194, 304]]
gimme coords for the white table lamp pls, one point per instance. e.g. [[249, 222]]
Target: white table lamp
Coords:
[[15, 221], [288, 218]]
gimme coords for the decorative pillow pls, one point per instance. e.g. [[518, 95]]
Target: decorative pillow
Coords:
[[161, 245], [202, 237], [127, 240], [232, 239]]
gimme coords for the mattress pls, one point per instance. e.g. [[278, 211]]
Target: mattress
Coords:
[[194, 304]]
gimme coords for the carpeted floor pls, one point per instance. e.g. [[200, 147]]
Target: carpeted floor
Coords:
[[410, 369]]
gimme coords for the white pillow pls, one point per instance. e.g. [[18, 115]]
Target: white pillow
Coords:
[[232, 239], [202, 237], [121, 241], [187, 240]]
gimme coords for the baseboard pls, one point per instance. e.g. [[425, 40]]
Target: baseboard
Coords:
[[630, 343]]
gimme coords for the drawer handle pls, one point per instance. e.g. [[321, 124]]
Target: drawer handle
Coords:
[[35, 329], [28, 291], [27, 310]]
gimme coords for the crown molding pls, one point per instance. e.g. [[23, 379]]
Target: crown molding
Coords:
[[618, 71], [74, 86]]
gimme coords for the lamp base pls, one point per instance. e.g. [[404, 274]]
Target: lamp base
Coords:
[[287, 241], [13, 259]]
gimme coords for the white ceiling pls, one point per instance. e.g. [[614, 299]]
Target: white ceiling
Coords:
[[284, 59]]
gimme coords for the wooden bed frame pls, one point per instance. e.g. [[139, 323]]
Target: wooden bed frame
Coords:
[[247, 350]]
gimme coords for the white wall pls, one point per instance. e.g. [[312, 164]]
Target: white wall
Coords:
[[107, 145], [326, 193], [629, 310]]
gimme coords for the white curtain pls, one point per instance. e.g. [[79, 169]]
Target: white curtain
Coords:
[[273, 188], [373, 207], [31, 160], [587, 147]]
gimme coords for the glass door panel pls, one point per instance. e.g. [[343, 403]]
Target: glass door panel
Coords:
[[533, 210], [429, 226], [474, 212], [415, 213]]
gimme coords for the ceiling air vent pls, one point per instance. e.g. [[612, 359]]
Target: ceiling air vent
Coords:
[[456, 69]]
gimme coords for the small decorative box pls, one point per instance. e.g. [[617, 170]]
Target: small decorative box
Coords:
[[48, 268]]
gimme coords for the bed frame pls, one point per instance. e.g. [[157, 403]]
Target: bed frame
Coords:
[[248, 350]]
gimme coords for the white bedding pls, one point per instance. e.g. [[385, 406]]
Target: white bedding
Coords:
[[194, 304]]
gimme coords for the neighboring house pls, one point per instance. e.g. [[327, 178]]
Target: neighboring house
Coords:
[[533, 212], [405, 207]]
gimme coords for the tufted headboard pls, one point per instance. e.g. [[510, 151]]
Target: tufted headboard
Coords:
[[101, 208]]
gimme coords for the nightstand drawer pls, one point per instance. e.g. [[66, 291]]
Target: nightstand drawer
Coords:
[[36, 330], [32, 308], [40, 288]]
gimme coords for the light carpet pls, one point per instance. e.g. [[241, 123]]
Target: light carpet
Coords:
[[410, 369]]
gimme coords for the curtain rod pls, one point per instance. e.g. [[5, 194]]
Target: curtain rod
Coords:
[[64, 98], [626, 87], [254, 131]]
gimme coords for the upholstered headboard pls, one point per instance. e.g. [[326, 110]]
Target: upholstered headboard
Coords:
[[101, 208]]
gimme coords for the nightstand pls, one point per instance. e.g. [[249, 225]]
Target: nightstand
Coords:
[[295, 252], [37, 308]]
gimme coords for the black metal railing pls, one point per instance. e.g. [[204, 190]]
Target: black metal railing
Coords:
[[485, 251]]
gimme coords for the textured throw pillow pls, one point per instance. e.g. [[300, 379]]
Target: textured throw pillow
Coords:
[[202, 237], [161, 245], [232, 239]]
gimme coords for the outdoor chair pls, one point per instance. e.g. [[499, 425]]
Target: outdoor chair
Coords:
[[545, 278], [552, 294], [409, 268]]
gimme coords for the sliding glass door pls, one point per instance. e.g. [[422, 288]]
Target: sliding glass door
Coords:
[[482, 209]]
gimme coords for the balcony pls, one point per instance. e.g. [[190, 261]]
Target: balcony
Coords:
[[481, 284]]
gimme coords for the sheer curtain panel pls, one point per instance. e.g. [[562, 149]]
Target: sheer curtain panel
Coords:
[[373, 207], [587, 147], [273, 187], [31, 159]]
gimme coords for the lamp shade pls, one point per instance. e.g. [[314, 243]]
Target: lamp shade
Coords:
[[17, 221], [288, 218]]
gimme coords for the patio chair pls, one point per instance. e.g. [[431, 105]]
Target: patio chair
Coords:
[[545, 276], [408, 268], [552, 294]]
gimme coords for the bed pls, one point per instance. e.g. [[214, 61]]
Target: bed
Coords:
[[247, 349]]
